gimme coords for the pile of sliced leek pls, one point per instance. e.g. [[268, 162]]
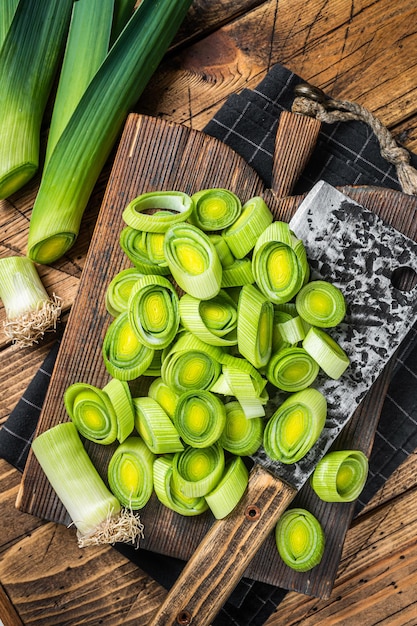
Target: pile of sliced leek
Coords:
[[217, 309]]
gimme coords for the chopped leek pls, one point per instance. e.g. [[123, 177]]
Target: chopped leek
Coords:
[[29, 59], [155, 427], [223, 251], [191, 364], [30, 312], [119, 290], [292, 369], [241, 436], [200, 417], [171, 497], [119, 393], [213, 321], [88, 138], [177, 207], [125, 357], [92, 412], [300, 539], [193, 261], [86, 47], [134, 244], [321, 303], [153, 311], [242, 235], [196, 471], [164, 395], [238, 273], [130, 473], [254, 326], [331, 357], [94, 510], [215, 209], [340, 476], [295, 426], [228, 492], [278, 266]]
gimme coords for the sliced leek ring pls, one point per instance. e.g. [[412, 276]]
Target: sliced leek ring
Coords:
[[321, 304], [171, 497], [92, 412], [144, 212], [241, 436], [215, 209], [134, 244], [197, 471], [340, 475], [200, 418], [130, 473], [125, 357], [295, 426], [292, 369], [242, 235], [119, 289], [228, 492], [213, 321], [153, 311], [193, 261], [331, 357], [155, 427], [255, 326], [300, 539]]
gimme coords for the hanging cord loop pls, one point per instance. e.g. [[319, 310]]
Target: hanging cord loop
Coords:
[[314, 102]]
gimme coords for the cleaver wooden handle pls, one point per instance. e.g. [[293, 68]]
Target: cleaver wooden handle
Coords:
[[224, 554], [294, 143]]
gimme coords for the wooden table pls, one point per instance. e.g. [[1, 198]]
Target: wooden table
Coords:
[[357, 51]]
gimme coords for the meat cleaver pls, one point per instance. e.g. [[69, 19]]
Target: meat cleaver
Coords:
[[358, 252]]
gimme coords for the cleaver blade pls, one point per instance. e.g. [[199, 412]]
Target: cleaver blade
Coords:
[[358, 252]]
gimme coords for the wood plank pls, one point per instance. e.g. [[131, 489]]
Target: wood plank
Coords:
[[377, 576]]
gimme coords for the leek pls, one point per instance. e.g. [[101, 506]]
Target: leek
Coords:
[[295, 426], [255, 317], [86, 47], [300, 539], [193, 261], [279, 263], [166, 397], [130, 473], [123, 10], [213, 321], [8, 10], [200, 417], [124, 356], [237, 274], [197, 471], [223, 251], [215, 209], [242, 235], [331, 357], [92, 412], [89, 136], [241, 436], [340, 475], [30, 312], [155, 427], [177, 207], [321, 303], [230, 489], [171, 497], [94, 510], [119, 290], [292, 369], [134, 244], [153, 311], [29, 59], [190, 364], [120, 396]]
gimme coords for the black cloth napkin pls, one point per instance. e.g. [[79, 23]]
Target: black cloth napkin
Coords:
[[347, 153]]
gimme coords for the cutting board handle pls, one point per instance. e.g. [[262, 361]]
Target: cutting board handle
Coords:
[[224, 554], [294, 144]]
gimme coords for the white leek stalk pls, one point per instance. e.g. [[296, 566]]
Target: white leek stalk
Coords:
[[30, 312], [94, 510]]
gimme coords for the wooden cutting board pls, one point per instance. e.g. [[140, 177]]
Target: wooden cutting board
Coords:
[[156, 155]]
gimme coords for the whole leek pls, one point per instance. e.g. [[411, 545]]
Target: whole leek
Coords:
[[30, 312], [87, 140], [86, 48], [29, 59], [94, 510]]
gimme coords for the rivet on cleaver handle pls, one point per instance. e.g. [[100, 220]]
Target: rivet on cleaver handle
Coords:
[[355, 250]]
